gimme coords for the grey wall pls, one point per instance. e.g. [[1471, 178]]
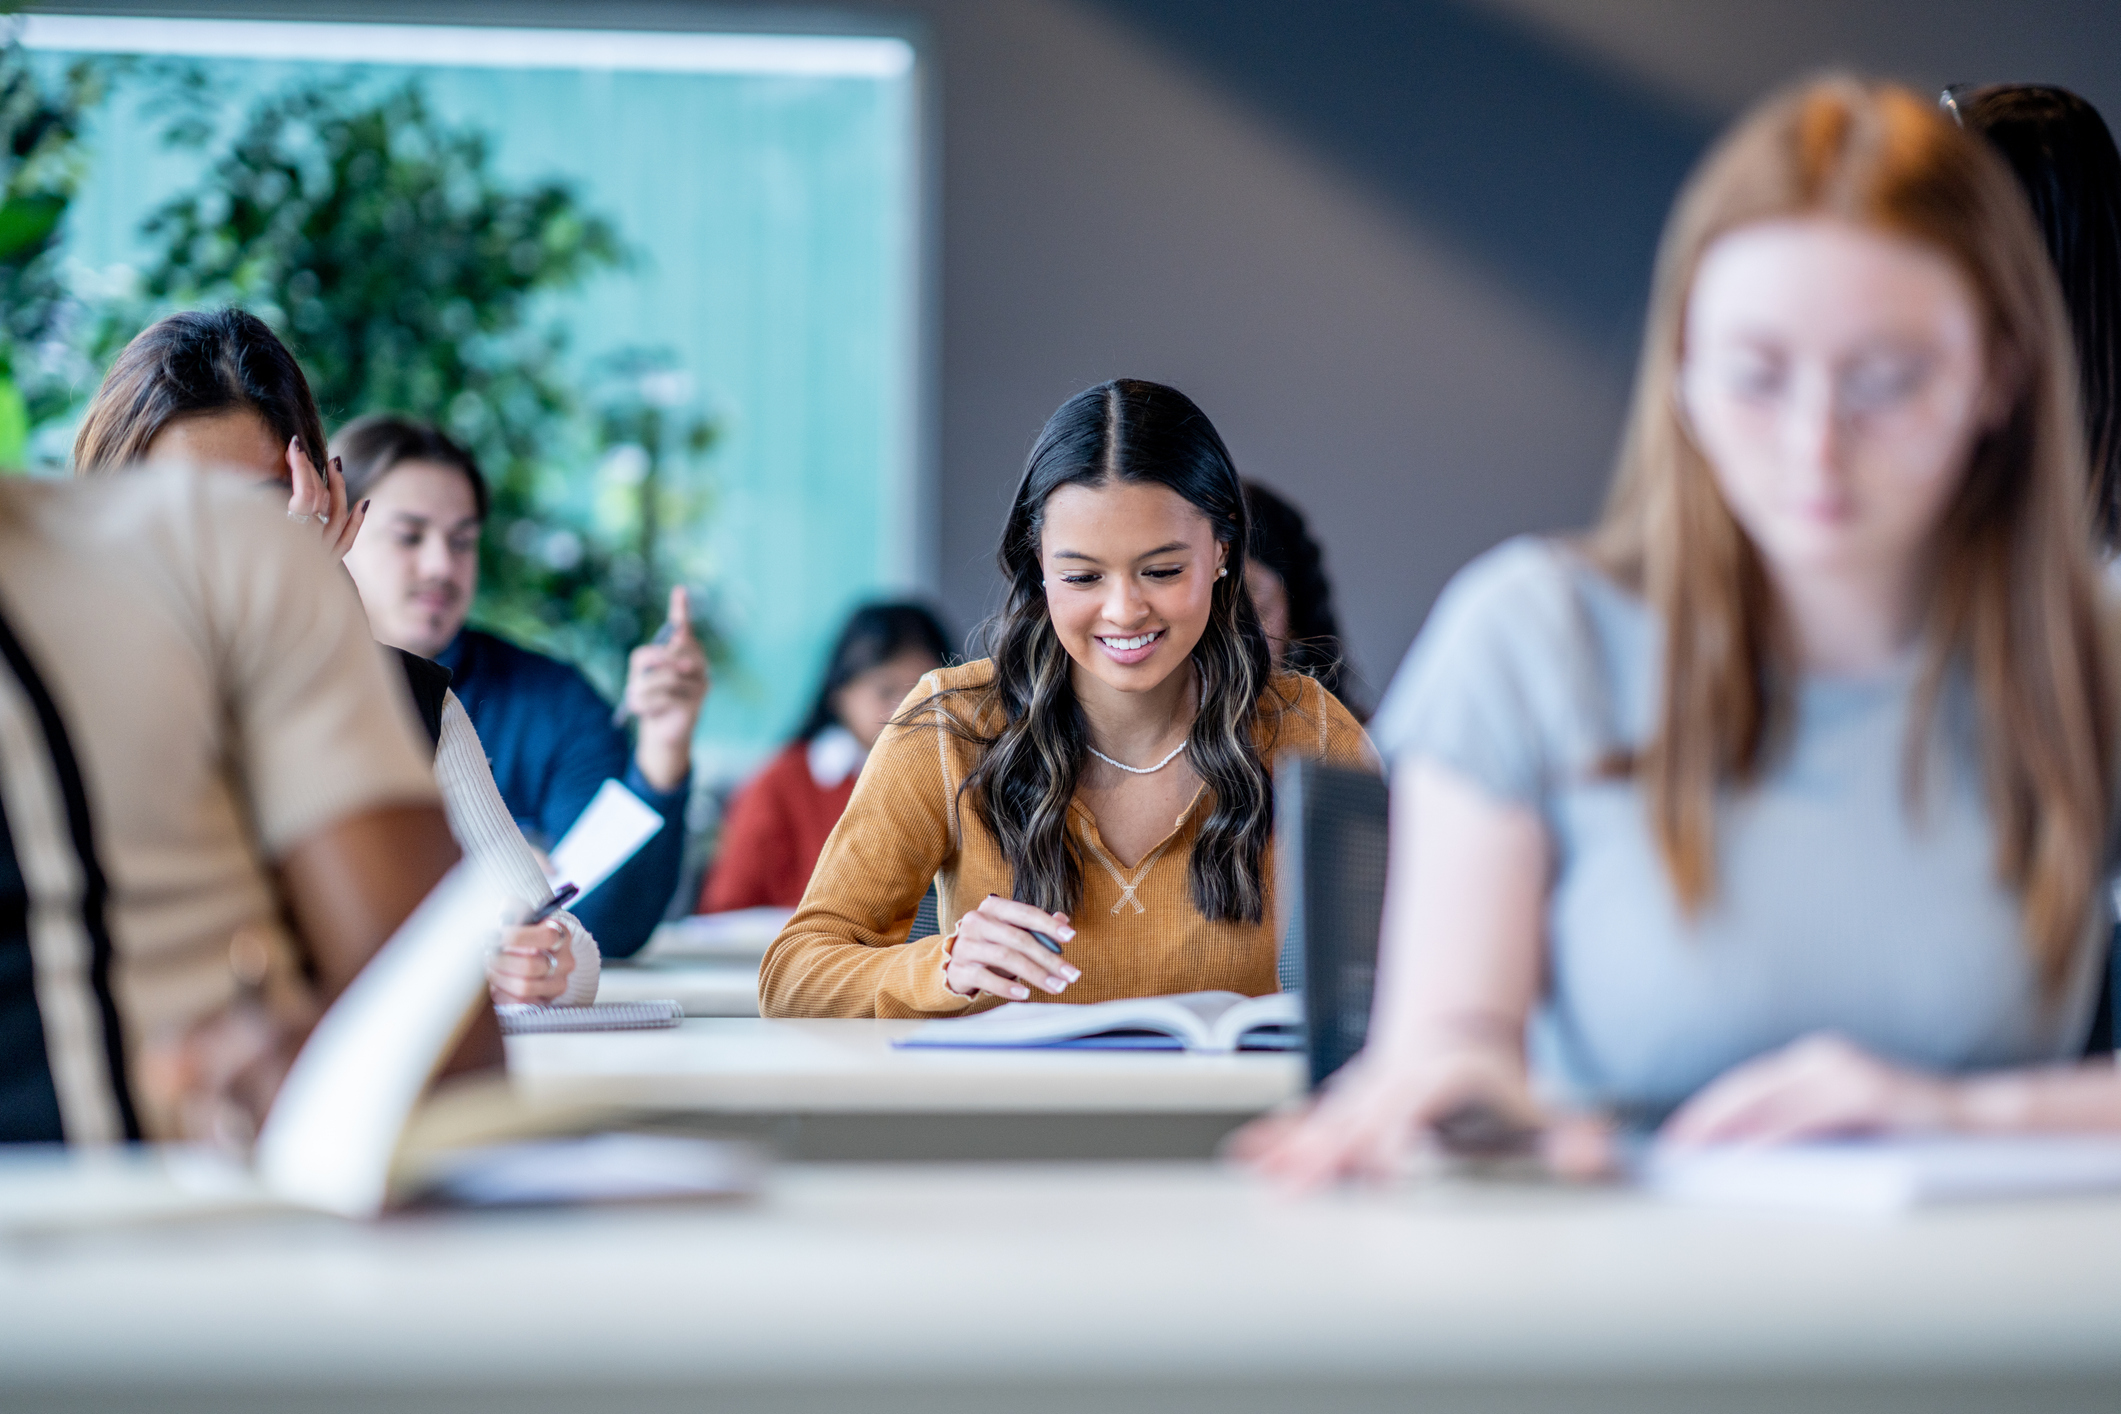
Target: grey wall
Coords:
[[1396, 250]]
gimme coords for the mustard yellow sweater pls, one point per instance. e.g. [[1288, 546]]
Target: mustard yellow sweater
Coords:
[[846, 953]]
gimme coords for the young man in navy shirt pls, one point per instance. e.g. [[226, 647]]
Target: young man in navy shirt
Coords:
[[550, 736]]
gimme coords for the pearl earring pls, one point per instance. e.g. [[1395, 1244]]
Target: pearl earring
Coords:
[[1223, 573]]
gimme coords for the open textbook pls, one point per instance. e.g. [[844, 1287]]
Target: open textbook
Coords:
[[1191, 1021], [1886, 1175]]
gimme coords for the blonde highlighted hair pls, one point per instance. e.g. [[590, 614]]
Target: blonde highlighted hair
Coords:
[[2013, 601]]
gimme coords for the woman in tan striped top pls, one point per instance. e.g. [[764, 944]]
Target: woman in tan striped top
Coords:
[[1102, 779]]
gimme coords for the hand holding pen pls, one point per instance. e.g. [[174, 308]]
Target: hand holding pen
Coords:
[[1005, 948], [536, 956]]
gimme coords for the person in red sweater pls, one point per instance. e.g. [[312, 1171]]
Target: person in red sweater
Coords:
[[779, 821]]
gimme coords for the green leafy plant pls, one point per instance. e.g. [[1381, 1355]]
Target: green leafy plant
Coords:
[[42, 159], [407, 276]]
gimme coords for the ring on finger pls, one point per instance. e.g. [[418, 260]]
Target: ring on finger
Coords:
[[552, 960]]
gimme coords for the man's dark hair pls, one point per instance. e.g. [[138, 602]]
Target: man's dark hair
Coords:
[[369, 448]]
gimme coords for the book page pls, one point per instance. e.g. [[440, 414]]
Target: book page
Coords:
[[1276, 1009], [1042, 1023], [333, 1129], [1189, 1016]]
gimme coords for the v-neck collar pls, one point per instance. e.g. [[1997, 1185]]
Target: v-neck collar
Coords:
[[1131, 879]]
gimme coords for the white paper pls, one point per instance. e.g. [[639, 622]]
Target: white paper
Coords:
[[606, 834], [1887, 1175], [334, 1127]]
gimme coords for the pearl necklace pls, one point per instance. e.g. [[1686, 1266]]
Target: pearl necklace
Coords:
[[1139, 770]]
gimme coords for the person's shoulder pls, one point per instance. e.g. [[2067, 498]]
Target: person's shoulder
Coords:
[[1528, 597], [1525, 572], [951, 705], [154, 508], [976, 674], [1515, 625], [526, 668], [1297, 713], [960, 692]]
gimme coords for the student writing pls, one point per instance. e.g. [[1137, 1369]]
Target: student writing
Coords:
[[1101, 778], [1784, 797], [548, 733]]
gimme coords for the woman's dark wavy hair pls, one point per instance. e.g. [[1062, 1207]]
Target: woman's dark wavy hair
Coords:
[[195, 364], [1282, 542], [1125, 431], [874, 635], [2062, 154]]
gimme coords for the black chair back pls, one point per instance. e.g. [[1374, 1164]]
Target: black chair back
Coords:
[[1331, 850]]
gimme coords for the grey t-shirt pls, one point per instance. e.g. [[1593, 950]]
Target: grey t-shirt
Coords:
[[1838, 905]]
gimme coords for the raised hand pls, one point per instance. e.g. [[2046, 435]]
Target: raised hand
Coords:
[[666, 683], [320, 497]]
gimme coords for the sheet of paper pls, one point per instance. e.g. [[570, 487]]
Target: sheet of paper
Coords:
[[606, 834], [1888, 1175], [333, 1129]]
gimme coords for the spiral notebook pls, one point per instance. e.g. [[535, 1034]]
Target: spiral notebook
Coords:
[[524, 1018]]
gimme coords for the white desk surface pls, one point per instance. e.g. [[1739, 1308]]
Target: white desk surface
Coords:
[[717, 987], [1136, 1281], [756, 1066]]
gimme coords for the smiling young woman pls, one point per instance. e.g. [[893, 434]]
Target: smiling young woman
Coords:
[[1102, 779]]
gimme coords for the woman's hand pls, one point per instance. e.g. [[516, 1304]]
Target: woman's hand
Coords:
[[322, 499], [995, 952], [533, 964], [1380, 1112], [1822, 1085], [666, 682]]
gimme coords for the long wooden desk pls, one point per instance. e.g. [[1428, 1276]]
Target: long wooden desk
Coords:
[[839, 1090], [1109, 1287]]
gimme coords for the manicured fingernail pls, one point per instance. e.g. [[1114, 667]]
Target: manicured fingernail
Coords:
[[364, 505], [1074, 975], [1067, 934], [1019, 993], [1056, 984]]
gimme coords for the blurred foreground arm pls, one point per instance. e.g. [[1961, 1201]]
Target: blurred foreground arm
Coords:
[[1826, 1086]]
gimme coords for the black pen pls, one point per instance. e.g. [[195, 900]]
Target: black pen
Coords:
[[1043, 941], [545, 910]]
